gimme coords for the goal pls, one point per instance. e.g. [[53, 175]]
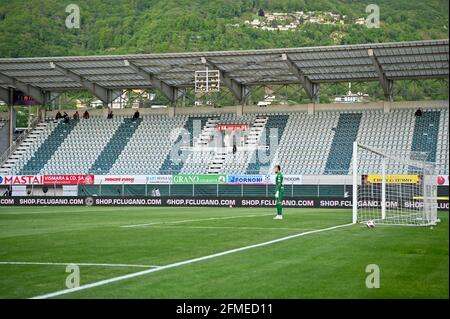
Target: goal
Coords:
[[395, 187]]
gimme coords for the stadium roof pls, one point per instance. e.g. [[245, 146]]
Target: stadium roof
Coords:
[[171, 72]]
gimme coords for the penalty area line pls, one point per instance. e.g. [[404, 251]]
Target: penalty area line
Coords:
[[194, 220], [229, 227], [185, 262]]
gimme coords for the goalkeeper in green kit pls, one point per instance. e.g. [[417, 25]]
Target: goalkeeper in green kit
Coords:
[[279, 191]]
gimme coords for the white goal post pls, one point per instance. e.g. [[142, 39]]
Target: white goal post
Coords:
[[394, 187]]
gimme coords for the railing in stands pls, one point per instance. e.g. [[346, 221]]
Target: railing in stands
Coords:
[[6, 154]]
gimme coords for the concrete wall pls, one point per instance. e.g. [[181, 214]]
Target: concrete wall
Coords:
[[310, 108], [386, 106]]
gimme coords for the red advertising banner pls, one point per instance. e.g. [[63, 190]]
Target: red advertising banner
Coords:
[[21, 180], [69, 179], [232, 127]]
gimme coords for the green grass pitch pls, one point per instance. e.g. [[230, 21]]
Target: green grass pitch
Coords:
[[413, 261]]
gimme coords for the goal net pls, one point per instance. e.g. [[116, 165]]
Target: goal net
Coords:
[[393, 187]]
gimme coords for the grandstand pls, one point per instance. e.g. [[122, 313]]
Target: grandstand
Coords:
[[308, 144], [306, 140]]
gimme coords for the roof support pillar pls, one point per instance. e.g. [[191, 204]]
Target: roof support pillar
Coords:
[[6, 94], [30, 90], [11, 125], [312, 89], [169, 91], [93, 87], [386, 84]]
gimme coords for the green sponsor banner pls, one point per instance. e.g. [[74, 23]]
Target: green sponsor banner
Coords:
[[199, 179]]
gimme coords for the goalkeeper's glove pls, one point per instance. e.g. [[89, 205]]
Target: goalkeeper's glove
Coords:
[[276, 194]]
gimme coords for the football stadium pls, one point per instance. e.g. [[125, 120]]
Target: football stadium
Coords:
[[251, 173]]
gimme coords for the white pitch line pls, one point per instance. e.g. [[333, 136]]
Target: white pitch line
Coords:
[[193, 220], [181, 263], [232, 227], [79, 264]]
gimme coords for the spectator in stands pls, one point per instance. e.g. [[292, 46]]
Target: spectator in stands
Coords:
[[110, 114], [136, 115], [76, 116], [418, 113], [58, 116], [86, 115], [66, 117], [234, 149]]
